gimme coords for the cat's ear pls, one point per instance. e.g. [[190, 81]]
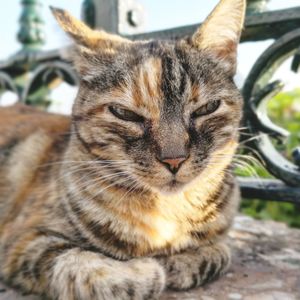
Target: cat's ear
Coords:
[[82, 34], [220, 33]]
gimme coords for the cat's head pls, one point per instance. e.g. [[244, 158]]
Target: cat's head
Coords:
[[161, 112]]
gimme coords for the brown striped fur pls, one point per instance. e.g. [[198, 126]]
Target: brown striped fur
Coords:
[[92, 207]]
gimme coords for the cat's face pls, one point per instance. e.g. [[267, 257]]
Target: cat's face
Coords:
[[160, 113]]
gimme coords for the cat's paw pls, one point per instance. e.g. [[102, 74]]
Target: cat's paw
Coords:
[[90, 276], [149, 278], [137, 279], [192, 269]]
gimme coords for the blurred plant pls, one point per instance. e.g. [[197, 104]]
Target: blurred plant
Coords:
[[284, 110]]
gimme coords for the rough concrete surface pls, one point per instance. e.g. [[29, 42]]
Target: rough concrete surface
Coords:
[[266, 266]]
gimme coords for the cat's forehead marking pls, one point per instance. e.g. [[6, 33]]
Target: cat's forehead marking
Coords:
[[146, 85], [163, 81], [195, 93], [175, 83]]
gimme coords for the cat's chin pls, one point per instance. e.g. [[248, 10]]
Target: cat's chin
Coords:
[[172, 187]]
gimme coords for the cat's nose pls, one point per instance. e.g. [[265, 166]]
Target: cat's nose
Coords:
[[173, 164]]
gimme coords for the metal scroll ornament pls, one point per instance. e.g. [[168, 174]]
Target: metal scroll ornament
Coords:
[[258, 90], [256, 6]]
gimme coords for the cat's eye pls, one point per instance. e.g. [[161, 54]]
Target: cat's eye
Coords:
[[206, 109], [125, 114]]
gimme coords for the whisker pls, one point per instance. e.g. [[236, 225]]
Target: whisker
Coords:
[[256, 153], [252, 138], [85, 162], [99, 179]]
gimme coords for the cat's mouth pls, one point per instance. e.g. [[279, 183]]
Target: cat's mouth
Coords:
[[174, 183], [173, 186]]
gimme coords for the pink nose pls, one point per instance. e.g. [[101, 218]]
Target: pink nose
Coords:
[[174, 163]]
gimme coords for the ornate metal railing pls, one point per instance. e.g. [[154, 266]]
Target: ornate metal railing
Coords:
[[31, 73]]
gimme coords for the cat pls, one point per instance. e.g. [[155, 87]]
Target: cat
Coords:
[[134, 193]]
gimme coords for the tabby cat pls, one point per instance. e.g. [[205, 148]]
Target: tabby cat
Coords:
[[134, 193]]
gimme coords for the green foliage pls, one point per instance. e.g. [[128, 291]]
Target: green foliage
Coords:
[[284, 110], [283, 212]]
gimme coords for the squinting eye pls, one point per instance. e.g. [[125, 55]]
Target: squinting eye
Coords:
[[206, 109], [125, 114]]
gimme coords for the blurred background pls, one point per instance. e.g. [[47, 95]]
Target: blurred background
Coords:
[[158, 15], [283, 109]]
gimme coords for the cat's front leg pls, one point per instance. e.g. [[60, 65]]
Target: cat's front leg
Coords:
[[86, 275], [51, 267], [194, 268]]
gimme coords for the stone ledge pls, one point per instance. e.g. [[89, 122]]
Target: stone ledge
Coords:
[[266, 266]]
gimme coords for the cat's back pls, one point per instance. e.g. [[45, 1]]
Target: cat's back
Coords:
[[25, 131], [19, 121], [29, 138]]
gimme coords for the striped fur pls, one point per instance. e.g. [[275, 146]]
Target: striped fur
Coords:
[[89, 209]]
